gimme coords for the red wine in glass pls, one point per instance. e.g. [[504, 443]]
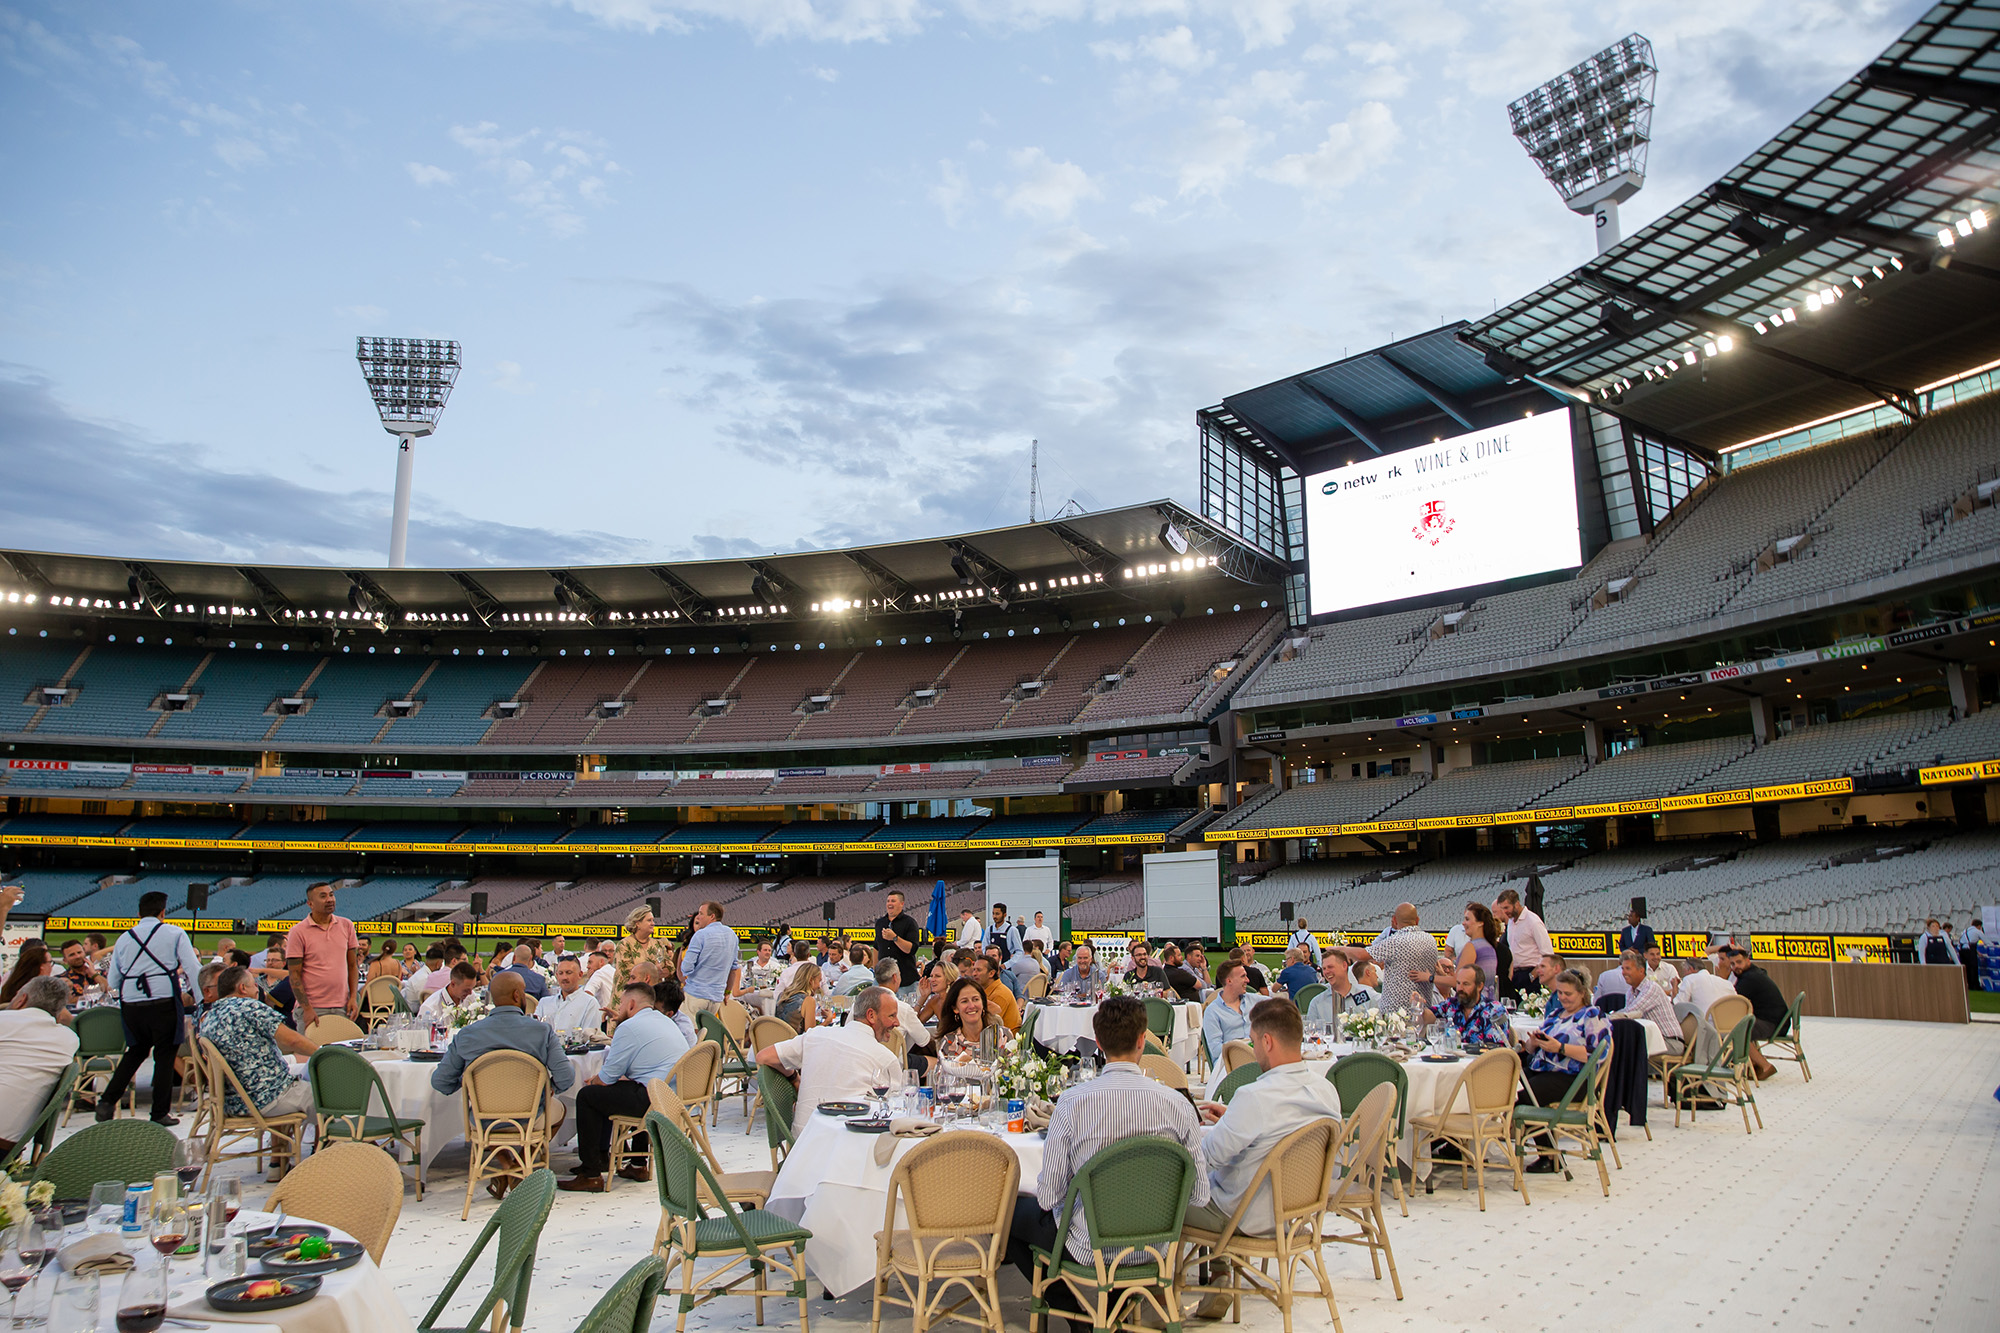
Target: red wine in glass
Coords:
[[141, 1318], [229, 1211], [166, 1242], [16, 1278], [188, 1176]]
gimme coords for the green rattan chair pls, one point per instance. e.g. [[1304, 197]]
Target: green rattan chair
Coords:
[[1240, 1077], [100, 1041], [1029, 1013], [628, 1306], [1580, 1114], [1133, 1196], [781, 1101], [40, 1135], [1353, 1078], [344, 1088], [1786, 1037], [517, 1223], [1307, 994], [133, 1151], [1726, 1078], [693, 1232], [739, 1069], [1160, 1021]]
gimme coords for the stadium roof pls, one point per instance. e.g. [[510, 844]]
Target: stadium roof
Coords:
[[1394, 397], [1851, 261], [1052, 564]]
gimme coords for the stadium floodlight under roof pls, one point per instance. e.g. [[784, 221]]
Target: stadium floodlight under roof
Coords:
[[410, 379], [1588, 130]]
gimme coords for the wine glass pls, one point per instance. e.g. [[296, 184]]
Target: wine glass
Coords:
[[167, 1229], [880, 1087], [107, 1205], [188, 1161], [142, 1298], [22, 1254]]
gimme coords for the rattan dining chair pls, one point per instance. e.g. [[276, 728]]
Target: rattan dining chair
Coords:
[[1038, 987], [735, 1072], [1370, 1149], [1307, 994], [1580, 1114], [758, 1241], [627, 1306], [509, 1122], [356, 1187], [514, 1230], [1133, 1196], [1163, 1070], [739, 1187], [1486, 1086], [1236, 1079], [100, 1041], [224, 1128], [133, 1151], [333, 1027], [1785, 1037], [1356, 1075], [40, 1135], [381, 1000], [1727, 1012], [1236, 1054], [1160, 1020], [346, 1092], [1295, 1178], [694, 1079], [956, 1193], [1726, 1078], [1666, 1062], [780, 1101]]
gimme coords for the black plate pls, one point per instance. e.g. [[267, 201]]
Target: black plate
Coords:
[[843, 1108], [868, 1126], [426, 1057], [261, 1239], [227, 1296], [346, 1254], [1439, 1059]]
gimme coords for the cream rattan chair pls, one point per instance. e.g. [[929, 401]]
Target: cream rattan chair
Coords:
[[694, 1079], [1160, 1068], [356, 1187], [1727, 1012], [768, 1031], [333, 1027], [957, 1195], [1038, 987], [735, 1017], [1236, 1054], [1487, 1089], [1357, 1196], [381, 1000], [1295, 1176], [1666, 1062], [510, 1118], [284, 1131]]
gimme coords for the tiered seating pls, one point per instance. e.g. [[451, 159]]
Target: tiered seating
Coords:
[[585, 834], [975, 690], [560, 701], [409, 789], [502, 893], [518, 830], [1344, 801], [277, 830], [1135, 822], [115, 692], [611, 790], [928, 830], [818, 786], [719, 791], [1108, 904], [382, 894], [1059, 825], [272, 896], [872, 691], [72, 826], [1028, 775], [31, 779], [233, 690], [767, 699], [1827, 751], [182, 827], [937, 779], [481, 788], [52, 891], [799, 900], [347, 700], [1127, 770], [22, 669], [599, 901], [456, 697], [1175, 667], [299, 787], [1965, 741], [121, 900], [407, 831], [695, 836], [660, 706], [1370, 649], [1508, 624], [801, 834], [1483, 788], [1095, 655], [192, 784]]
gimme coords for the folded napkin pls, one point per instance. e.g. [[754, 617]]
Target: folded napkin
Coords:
[[102, 1254], [1037, 1114], [902, 1127]]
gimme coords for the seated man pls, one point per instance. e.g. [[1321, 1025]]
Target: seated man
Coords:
[[1119, 1104], [1140, 969], [845, 1063], [461, 982], [646, 1046], [1026, 965], [1662, 971], [1611, 982], [1287, 1096], [1298, 972], [507, 1028], [915, 1034], [1179, 975], [760, 972], [416, 986], [251, 1037], [1645, 999], [670, 999], [858, 976], [569, 1005], [523, 967], [35, 1048], [1000, 971], [985, 972], [1083, 975], [1343, 994], [1767, 1005], [77, 971], [1477, 1020], [1546, 971]]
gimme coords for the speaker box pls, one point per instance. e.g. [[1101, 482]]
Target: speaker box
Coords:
[[479, 902], [197, 898], [1639, 906], [826, 910], [1285, 913], [653, 906]]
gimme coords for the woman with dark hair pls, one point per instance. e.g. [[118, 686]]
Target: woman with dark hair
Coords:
[[33, 962], [1482, 934], [965, 1020]]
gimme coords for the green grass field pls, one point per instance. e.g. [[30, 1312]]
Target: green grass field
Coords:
[[1985, 1002]]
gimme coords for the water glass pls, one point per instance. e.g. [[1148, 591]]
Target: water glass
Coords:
[[228, 1257], [73, 1307], [107, 1205]]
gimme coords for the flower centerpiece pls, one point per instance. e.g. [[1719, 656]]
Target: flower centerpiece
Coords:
[[1374, 1027], [18, 1201], [1022, 1071], [1534, 1002], [471, 1009], [1116, 984]]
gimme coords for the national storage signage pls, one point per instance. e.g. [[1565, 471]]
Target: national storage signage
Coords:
[[1985, 770], [671, 847], [1561, 814]]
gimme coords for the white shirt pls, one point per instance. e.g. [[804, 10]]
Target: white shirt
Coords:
[[598, 986], [413, 985], [34, 1050], [1454, 941], [1041, 933], [1260, 1114], [969, 933], [1666, 977], [914, 1031], [1701, 989], [576, 1010], [837, 1064], [438, 1007], [1303, 939]]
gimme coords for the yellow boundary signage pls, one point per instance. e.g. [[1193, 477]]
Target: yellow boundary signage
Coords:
[[1560, 814], [1983, 771], [582, 848]]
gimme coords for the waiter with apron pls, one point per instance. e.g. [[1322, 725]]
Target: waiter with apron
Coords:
[[152, 967]]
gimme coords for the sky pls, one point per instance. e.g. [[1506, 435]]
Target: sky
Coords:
[[735, 277]]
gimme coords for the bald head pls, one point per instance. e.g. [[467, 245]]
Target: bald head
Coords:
[[1406, 916], [507, 988]]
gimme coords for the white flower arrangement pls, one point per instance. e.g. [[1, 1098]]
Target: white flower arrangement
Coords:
[[1375, 1026], [1116, 984], [1022, 1071], [18, 1201], [471, 1009], [1534, 1002]]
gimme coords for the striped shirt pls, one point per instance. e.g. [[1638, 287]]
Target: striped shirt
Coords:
[[1118, 1104]]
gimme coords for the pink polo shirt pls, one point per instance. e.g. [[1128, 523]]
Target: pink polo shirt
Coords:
[[324, 948]]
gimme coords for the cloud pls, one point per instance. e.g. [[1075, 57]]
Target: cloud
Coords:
[[952, 191], [550, 175], [1352, 148], [1216, 154], [1048, 191], [427, 175], [99, 488], [242, 138], [767, 20]]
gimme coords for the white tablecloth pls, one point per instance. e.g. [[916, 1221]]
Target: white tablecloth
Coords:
[[408, 1084], [1060, 1025], [831, 1185]]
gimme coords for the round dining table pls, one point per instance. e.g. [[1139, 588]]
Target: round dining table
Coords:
[[831, 1185]]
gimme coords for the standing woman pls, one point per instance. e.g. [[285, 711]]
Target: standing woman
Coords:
[[642, 944]]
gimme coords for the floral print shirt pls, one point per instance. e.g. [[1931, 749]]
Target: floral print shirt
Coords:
[[1587, 1027], [1484, 1023], [657, 950], [244, 1031]]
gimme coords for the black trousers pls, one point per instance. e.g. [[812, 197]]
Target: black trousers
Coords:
[[1520, 981], [595, 1105], [150, 1029], [1034, 1226]]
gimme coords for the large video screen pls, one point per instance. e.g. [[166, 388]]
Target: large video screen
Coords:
[[1471, 509]]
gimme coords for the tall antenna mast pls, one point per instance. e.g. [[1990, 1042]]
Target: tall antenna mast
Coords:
[[1034, 480]]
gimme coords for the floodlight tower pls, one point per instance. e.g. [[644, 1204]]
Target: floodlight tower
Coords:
[[409, 379], [1588, 130]]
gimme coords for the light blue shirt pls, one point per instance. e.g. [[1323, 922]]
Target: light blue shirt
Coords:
[[505, 1029], [646, 1046], [167, 963], [1220, 1024], [711, 956], [1261, 1114]]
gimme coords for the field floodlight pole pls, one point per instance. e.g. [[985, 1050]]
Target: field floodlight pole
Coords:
[[410, 379], [1588, 131]]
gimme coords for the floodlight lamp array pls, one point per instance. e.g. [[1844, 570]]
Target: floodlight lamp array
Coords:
[[1590, 127], [410, 379], [1158, 567]]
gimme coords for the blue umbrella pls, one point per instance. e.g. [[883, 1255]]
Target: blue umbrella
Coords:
[[935, 922]]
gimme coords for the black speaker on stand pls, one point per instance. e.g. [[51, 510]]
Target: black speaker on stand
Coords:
[[1639, 906], [197, 898], [826, 911], [1531, 895], [1285, 913], [479, 902], [653, 906]]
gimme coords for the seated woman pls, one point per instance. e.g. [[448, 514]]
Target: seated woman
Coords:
[[799, 1002], [1083, 975], [931, 988], [965, 1022], [386, 964], [412, 960], [1557, 1049]]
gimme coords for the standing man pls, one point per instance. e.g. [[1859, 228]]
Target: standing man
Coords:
[[1302, 938], [1969, 941], [1404, 954], [152, 972], [558, 950], [1637, 937], [896, 938], [1527, 941], [1041, 932], [712, 963], [323, 959], [969, 931], [1005, 935]]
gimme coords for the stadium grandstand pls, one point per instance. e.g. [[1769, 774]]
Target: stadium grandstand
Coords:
[[1676, 578]]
